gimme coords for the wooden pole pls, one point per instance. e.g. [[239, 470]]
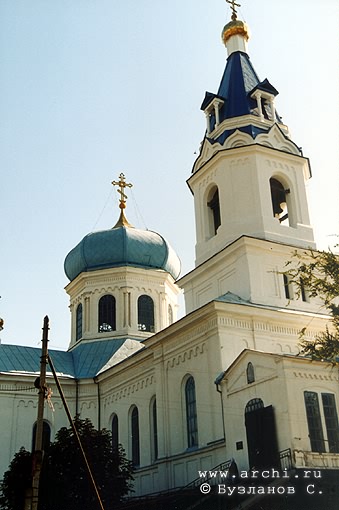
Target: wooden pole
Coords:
[[38, 447], [75, 432]]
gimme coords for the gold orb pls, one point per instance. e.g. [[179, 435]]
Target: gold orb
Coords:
[[235, 27]]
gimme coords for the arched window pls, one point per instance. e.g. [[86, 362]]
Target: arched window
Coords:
[[106, 314], [214, 206], [145, 314], [191, 413], [154, 429], [135, 437], [170, 315], [279, 201], [250, 373], [253, 405], [78, 334], [46, 436], [115, 432]]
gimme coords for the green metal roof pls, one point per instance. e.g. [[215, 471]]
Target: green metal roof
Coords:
[[82, 362]]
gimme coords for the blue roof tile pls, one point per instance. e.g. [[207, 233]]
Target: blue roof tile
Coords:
[[238, 83], [238, 80], [84, 361], [89, 358]]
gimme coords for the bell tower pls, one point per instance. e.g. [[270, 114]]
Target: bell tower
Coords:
[[248, 184]]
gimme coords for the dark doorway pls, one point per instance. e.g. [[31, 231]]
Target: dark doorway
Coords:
[[261, 435]]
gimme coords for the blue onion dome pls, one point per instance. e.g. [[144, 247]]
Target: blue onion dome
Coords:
[[123, 245]]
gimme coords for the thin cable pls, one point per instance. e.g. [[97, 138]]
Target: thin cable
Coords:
[[137, 210], [103, 209]]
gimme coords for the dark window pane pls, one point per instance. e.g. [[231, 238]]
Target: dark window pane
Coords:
[[214, 205], [315, 429], [287, 287], [106, 314], [155, 429], [191, 413], [331, 420], [250, 373], [145, 314], [135, 437], [79, 322], [115, 432]]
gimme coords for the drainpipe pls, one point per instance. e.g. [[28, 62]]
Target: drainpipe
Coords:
[[217, 386], [95, 379], [76, 397]]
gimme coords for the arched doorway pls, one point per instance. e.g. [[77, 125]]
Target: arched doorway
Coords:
[[261, 435]]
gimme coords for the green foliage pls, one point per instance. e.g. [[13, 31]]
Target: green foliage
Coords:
[[16, 482], [64, 481], [318, 273]]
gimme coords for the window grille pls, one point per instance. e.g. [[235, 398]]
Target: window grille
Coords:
[[191, 413]]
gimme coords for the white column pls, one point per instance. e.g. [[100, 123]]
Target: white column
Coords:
[[216, 111], [272, 108], [87, 315], [258, 98], [208, 121], [127, 308]]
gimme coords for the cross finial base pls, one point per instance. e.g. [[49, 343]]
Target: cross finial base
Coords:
[[233, 6], [122, 222]]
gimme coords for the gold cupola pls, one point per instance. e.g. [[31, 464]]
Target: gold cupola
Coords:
[[235, 34]]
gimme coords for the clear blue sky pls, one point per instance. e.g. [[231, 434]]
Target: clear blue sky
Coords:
[[90, 88]]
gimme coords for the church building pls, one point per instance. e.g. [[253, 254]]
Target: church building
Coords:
[[225, 384]]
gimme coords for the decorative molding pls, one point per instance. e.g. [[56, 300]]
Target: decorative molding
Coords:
[[27, 403], [280, 165], [13, 391], [130, 390], [57, 405], [188, 354], [88, 405], [238, 139], [210, 178], [277, 140], [276, 328], [316, 377], [264, 327], [274, 138], [235, 323]]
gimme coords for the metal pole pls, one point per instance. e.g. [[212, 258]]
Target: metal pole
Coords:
[[38, 448]]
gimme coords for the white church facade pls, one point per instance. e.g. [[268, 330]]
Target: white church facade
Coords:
[[225, 382]]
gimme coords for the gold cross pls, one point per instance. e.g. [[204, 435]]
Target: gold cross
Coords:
[[122, 185], [233, 7]]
